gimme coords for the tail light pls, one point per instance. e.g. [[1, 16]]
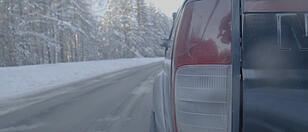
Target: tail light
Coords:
[[202, 69], [203, 98]]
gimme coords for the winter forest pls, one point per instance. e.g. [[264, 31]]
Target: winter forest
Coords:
[[52, 31]]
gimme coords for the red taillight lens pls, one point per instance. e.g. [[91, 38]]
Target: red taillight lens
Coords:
[[202, 68]]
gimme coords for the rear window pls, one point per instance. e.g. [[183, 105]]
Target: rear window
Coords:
[[275, 5], [275, 40]]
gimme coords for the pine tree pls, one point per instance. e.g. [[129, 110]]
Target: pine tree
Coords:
[[51, 31]]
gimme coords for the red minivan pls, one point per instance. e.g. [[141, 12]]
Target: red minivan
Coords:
[[235, 66]]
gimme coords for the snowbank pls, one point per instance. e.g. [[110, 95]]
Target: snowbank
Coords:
[[24, 80]]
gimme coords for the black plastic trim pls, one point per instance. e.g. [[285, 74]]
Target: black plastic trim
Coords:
[[236, 65]]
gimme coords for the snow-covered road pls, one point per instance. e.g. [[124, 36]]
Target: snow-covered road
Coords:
[[115, 102], [27, 80]]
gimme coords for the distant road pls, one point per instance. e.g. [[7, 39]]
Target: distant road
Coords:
[[117, 102]]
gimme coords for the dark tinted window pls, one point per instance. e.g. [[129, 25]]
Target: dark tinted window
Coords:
[[275, 70], [275, 41], [275, 5]]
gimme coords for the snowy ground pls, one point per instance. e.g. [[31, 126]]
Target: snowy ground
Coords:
[[26, 80]]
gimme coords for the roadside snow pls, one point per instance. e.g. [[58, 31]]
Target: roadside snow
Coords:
[[25, 80]]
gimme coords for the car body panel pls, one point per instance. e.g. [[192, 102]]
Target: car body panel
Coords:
[[269, 67], [158, 101]]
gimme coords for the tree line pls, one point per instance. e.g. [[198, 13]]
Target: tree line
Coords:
[[52, 31]]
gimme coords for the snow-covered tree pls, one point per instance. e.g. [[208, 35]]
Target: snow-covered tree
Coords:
[[134, 28], [52, 31]]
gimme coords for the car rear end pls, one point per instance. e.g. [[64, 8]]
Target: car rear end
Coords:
[[202, 68], [241, 66]]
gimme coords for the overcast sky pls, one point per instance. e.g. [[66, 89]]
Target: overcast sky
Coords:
[[167, 6]]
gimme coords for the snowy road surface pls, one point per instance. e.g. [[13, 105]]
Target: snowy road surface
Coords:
[[116, 102], [27, 80]]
